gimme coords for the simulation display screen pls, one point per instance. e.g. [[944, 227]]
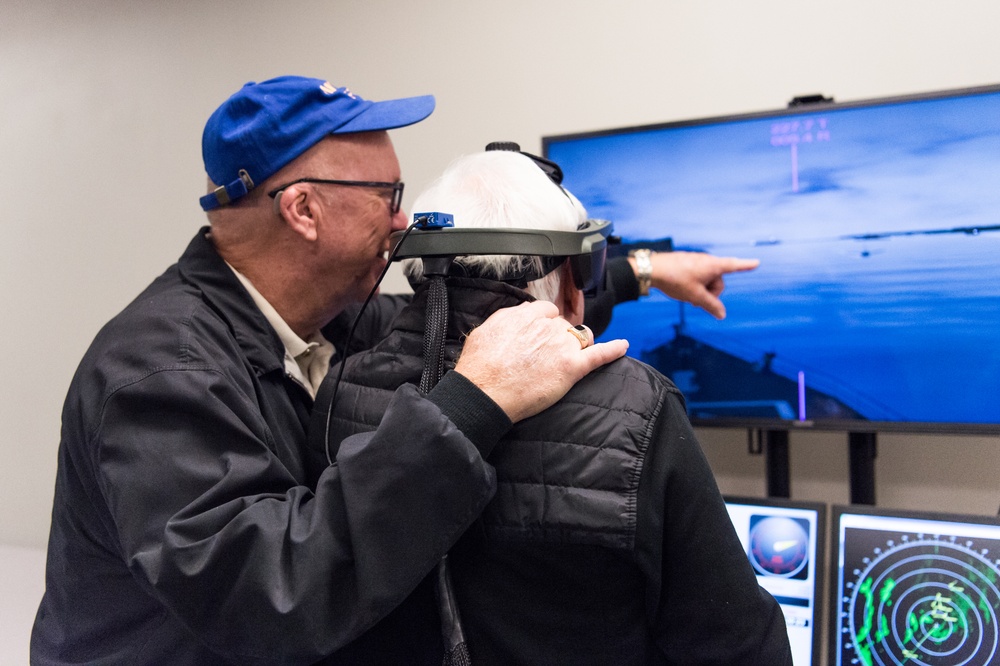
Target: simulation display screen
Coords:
[[878, 229], [784, 543], [914, 589]]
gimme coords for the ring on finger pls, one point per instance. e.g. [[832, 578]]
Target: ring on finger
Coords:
[[580, 332]]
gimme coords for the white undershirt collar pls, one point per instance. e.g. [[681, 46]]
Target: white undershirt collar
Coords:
[[306, 361]]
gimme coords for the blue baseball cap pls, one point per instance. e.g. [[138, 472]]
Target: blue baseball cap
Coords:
[[266, 125]]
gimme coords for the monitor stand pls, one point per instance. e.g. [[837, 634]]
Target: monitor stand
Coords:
[[862, 449], [776, 455], [773, 445]]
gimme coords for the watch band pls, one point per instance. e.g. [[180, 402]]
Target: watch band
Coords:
[[644, 266]]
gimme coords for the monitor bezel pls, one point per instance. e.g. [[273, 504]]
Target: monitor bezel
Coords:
[[822, 564], [836, 512], [810, 108]]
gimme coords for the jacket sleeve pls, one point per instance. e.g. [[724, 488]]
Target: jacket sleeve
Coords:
[[260, 568], [705, 603]]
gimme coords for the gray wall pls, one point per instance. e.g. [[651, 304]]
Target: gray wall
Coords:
[[103, 102]]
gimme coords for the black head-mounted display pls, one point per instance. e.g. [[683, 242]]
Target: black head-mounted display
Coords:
[[434, 236], [435, 239]]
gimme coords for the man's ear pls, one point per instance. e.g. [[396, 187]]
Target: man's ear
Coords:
[[571, 298], [297, 206]]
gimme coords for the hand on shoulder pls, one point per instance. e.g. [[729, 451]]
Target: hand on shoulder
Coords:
[[525, 358]]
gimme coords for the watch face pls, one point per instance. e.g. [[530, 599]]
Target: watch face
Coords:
[[779, 546], [644, 268]]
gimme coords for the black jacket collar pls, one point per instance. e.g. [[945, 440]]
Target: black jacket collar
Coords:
[[202, 267]]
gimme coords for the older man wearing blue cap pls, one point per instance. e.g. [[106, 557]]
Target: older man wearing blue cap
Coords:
[[192, 523]]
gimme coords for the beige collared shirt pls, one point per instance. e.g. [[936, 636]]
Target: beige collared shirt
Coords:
[[306, 361]]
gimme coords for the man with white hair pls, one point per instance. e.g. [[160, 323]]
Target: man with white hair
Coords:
[[607, 541]]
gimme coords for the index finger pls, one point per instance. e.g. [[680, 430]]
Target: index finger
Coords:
[[602, 353], [738, 265]]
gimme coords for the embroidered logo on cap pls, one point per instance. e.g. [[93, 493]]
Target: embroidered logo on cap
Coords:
[[331, 89]]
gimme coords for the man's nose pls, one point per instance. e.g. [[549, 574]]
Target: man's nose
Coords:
[[400, 220]]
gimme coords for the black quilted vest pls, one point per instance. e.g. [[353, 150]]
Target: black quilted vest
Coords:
[[569, 474]]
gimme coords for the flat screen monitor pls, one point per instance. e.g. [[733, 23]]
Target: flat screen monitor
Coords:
[[914, 588], [877, 302], [784, 541]]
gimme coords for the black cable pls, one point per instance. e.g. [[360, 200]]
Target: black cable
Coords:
[[435, 330], [350, 336]]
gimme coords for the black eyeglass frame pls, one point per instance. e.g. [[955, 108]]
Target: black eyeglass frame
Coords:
[[394, 204]]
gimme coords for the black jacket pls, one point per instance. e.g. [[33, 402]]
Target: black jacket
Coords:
[[607, 542], [192, 524]]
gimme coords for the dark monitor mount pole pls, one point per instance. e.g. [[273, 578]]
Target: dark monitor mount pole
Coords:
[[778, 470], [773, 444], [862, 450]]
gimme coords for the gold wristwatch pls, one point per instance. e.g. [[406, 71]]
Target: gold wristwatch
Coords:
[[644, 266]]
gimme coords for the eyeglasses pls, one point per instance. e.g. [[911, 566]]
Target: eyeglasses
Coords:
[[394, 203]]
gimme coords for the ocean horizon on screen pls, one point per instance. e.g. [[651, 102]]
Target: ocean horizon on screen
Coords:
[[878, 231]]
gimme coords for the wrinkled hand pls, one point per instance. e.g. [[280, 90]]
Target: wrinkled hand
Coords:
[[525, 359], [696, 277]]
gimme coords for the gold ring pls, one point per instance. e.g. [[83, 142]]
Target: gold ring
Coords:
[[578, 333]]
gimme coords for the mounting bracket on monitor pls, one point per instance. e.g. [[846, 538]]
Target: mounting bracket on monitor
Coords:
[[862, 449], [803, 100]]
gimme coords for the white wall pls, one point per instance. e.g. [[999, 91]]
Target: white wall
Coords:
[[102, 104]]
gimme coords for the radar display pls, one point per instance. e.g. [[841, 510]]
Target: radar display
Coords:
[[920, 598]]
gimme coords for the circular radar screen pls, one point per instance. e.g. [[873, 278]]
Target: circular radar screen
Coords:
[[779, 546], [920, 600]]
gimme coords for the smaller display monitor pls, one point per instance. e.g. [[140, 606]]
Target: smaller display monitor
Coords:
[[783, 540], [914, 588]]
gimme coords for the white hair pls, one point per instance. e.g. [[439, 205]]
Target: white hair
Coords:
[[500, 189]]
